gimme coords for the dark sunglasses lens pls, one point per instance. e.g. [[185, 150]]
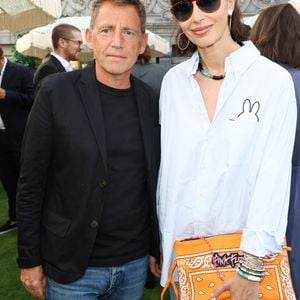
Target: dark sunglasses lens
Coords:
[[208, 6], [182, 10]]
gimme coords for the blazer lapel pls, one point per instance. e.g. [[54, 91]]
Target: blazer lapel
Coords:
[[57, 64], [92, 103]]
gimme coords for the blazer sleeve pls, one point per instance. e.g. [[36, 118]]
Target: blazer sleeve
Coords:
[[31, 191], [44, 71]]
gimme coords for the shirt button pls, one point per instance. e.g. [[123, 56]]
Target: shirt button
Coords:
[[94, 224], [103, 183]]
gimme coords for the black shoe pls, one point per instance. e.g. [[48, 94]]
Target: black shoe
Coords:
[[7, 227]]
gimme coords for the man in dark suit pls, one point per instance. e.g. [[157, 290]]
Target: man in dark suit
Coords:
[[16, 98], [87, 222], [66, 41], [149, 72]]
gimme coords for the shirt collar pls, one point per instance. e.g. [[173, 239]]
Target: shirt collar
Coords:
[[235, 63], [4, 66], [63, 61]]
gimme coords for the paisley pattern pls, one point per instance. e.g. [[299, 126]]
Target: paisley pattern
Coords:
[[198, 276]]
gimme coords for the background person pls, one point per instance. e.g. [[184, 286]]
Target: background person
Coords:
[[148, 72], [227, 140], [152, 74], [66, 41], [16, 98], [86, 194], [276, 33]]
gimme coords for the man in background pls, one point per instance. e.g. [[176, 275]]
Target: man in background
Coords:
[[152, 74], [66, 41], [148, 72], [16, 98]]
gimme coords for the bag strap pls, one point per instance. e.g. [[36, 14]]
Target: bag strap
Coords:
[[170, 281]]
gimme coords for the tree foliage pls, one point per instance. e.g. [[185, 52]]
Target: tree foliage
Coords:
[[29, 61]]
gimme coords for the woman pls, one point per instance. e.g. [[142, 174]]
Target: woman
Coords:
[[227, 140], [276, 34]]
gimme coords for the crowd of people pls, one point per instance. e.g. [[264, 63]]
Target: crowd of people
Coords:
[[107, 166]]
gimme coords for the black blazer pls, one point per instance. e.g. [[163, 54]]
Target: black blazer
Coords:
[[51, 66], [64, 173], [14, 109]]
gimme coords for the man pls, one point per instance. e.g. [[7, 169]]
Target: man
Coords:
[[66, 41], [148, 72], [16, 98], [86, 194]]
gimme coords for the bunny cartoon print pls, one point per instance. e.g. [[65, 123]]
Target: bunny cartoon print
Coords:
[[250, 110]]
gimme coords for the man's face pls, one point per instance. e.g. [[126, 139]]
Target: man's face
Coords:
[[116, 39], [73, 46]]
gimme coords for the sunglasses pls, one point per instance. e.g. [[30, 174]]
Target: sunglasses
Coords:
[[183, 9], [79, 43]]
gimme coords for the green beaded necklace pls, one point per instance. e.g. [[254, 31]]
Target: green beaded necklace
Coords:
[[208, 75]]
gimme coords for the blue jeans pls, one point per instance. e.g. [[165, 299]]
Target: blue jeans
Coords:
[[125, 282]]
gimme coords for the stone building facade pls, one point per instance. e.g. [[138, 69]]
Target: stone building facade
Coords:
[[159, 18]]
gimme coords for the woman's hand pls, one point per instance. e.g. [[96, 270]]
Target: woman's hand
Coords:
[[239, 288]]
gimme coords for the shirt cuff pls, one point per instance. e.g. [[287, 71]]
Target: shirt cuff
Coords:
[[261, 243]]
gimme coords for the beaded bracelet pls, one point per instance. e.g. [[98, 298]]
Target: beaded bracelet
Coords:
[[261, 270], [252, 262], [248, 276], [259, 273]]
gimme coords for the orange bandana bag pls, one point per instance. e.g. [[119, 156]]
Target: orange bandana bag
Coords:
[[204, 263]]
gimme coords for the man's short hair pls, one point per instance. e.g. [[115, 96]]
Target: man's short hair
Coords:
[[137, 4], [1, 52], [64, 31]]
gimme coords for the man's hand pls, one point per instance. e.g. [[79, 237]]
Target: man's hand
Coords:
[[155, 268], [34, 281], [239, 288], [2, 93]]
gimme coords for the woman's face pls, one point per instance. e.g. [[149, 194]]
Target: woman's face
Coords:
[[206, 29]]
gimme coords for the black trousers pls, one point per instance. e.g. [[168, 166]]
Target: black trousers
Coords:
[[9, 170]]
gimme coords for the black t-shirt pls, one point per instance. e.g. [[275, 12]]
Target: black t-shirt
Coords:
[[123, 233]]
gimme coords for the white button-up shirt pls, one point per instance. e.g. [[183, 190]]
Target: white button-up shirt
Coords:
[[232, 174]]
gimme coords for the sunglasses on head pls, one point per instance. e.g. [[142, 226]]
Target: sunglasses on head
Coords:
[[183, 9]]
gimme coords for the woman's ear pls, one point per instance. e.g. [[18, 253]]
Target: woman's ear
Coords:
[[231, 4]]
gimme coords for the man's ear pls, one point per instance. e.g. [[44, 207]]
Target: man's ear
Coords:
[[61, 43], [144, 43], [89, 38]]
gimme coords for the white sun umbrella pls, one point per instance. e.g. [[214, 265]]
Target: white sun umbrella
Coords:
[[21, 15], [158, 45], [38, 43]]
